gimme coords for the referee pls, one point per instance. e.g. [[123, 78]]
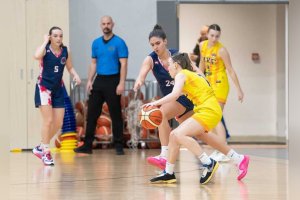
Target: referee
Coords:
[[109, 65]]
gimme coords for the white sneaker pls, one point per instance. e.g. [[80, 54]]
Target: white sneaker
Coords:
[[214, 154], [38, 151], [47, 158], [218, 156]]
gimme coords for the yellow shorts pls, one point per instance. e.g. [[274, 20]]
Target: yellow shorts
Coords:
[[208, 114], [220, 85]]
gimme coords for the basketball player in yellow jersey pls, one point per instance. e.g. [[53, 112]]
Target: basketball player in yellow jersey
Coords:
[[215, 61], [207, 114]]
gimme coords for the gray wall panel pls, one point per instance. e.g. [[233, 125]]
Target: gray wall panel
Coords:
[[294, 99], [235, 1], [167, 18], [134, 19]]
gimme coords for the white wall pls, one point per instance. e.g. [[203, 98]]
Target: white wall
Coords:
[[6, 61], [281, 80], [134, 19], [245, 29], [294, 99]]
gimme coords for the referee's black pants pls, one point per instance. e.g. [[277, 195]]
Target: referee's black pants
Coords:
[[104, 90]]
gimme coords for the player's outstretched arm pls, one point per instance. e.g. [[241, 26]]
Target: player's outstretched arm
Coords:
[[145, 68], [176, 92]]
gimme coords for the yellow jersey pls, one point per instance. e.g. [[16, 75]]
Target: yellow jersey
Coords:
[[196, 87], [215, 70], [207, 110], [212, 60]]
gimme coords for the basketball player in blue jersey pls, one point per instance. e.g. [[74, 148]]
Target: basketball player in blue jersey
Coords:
[[157, 61], [49, 97]]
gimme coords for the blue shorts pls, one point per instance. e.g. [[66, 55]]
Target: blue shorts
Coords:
[[185, 102], [44, 96]]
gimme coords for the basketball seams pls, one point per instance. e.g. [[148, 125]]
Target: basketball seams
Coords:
[[150, 117]]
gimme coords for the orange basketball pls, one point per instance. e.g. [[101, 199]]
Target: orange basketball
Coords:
[[154, 145], [79, 118], [80, 106], [105, 109], [80, 144], [80, 132], [104, 120], [150, 117], [131, 95], [124, 101], [58, 141], [126, 135], [103, 133], [154, 142], [143, 133]]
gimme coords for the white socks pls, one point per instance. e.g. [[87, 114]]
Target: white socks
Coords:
[[237, 158], [45, 147], [204, 159], [164, 152], [169, 168]]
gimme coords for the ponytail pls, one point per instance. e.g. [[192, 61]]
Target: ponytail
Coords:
[[183, 60], [158, 32]]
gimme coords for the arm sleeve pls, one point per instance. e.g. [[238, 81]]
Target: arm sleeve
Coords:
[[122, 50], [94, 55]]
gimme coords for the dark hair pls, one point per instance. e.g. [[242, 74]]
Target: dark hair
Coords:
[[215, 27], [50, 32], [158, 32], [202, 38], [183, 60]]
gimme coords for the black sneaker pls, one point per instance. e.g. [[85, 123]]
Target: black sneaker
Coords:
[[83, 149], [209, 171], [164, 178], [120, 151]]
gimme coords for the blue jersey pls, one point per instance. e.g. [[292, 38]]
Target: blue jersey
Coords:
[[108, 54], [165, 81], [52, 68]]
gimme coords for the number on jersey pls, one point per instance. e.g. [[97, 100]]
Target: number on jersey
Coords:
[[56, 69], [169, 83]]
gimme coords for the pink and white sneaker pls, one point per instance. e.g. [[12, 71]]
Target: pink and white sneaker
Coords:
[[47, 158], [243, 167], [157, 161], [37, 151]]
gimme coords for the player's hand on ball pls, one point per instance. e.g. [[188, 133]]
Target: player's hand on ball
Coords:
[[149, 104]]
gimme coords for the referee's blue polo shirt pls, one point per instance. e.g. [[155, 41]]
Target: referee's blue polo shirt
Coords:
[[108, 54]]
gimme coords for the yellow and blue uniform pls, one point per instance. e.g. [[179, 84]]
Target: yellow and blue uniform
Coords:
[[215, 70], [207, 110], [166, 82]]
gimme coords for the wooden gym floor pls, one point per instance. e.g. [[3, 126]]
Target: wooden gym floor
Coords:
[[103, 175]]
